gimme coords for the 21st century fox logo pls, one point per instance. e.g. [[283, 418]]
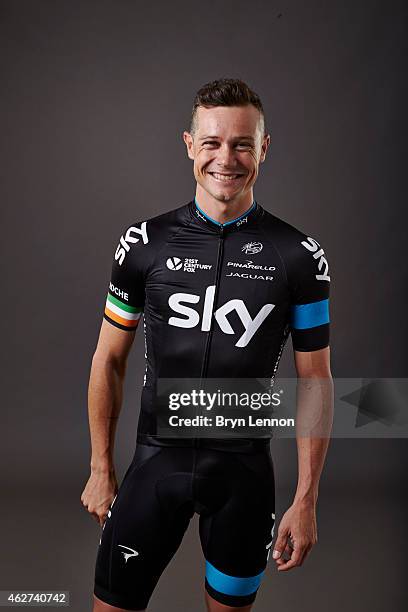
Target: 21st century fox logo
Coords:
[[174, 263], [188, 264]]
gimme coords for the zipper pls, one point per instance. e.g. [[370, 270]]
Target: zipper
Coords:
[[204, 367]]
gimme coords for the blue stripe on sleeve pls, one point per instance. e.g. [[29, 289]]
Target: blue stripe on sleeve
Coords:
[[229, 585], [304, 316]]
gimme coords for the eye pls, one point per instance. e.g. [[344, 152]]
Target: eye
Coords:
[[243, 145], [210, 143]]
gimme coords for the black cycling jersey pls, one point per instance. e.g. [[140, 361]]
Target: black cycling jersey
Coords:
[[218, 300]]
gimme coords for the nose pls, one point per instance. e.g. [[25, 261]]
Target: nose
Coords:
[[226, 156]]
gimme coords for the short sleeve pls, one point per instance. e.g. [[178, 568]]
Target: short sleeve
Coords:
[[310, 288], [126, 293]]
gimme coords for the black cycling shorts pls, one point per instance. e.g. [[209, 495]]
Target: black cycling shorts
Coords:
[[233, 493]]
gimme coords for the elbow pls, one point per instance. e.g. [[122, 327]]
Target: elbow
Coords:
[[107, 360]]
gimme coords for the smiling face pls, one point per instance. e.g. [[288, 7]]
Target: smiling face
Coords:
[[227, 147]]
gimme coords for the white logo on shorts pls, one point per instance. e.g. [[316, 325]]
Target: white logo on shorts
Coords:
[[127, 556]]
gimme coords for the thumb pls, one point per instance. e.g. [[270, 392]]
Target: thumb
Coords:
[[280, 543]]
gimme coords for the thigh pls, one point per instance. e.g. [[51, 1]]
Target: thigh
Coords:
[[142, 530], [236, 538]]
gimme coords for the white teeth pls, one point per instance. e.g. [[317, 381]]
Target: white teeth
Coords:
[[225, 177]]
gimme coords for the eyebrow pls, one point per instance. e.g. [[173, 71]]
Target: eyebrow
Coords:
[[235, 138]]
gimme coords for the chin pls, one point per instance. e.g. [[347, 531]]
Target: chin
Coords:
[[221, 197], [224, 196]]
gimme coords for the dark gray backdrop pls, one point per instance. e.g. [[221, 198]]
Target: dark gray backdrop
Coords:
[[94, 99]]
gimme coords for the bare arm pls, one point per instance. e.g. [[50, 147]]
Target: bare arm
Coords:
[[314, 420], [104, 404], [105, 392], [315, 412]]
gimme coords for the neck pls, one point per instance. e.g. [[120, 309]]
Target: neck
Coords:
[[222, 212]]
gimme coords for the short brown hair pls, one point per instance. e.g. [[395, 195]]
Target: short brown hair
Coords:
[[225, 92]]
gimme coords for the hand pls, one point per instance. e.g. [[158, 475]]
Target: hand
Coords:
[[297, 534], [98, 494]]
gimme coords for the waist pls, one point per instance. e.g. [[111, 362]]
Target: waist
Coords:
[[241, 445]]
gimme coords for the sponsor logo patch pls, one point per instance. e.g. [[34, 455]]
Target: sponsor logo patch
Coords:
[[132, 236], [314, 247], [191, 318], [188, 264], [250, 248]]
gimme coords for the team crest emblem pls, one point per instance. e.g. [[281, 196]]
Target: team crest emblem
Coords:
[[250, 248]]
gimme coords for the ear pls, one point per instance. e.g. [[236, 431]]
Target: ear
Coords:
[[188, 139], [264, 147]]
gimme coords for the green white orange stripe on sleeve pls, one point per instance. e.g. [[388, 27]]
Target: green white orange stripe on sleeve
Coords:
[[122, 314]]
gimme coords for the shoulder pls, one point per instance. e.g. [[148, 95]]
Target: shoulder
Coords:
[[279, 229], [166, 222], [301, 253], [291, 241], [146, 234]]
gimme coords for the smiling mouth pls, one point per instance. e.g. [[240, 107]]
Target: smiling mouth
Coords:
[[225, 178]]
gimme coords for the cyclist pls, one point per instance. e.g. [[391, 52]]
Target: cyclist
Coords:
[[220, 284]]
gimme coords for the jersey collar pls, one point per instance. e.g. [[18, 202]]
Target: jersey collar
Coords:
[[247, 218]]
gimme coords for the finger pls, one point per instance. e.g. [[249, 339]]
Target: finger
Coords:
[[294, 561], [287, 565], [289, 548], [280, 544], [286, 555], [305, 548]]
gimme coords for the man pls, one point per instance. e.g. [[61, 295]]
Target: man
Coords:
[[203, 318]]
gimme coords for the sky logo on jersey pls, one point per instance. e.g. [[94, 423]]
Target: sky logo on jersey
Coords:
[[318, 253], [241, 221], [192, 317], [133, 235]]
